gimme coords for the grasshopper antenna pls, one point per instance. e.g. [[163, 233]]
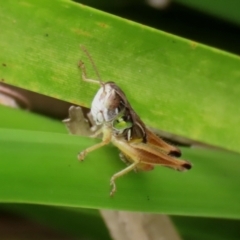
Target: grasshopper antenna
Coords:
[[81, 65]]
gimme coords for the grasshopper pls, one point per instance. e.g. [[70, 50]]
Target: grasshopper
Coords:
[[140, 148]]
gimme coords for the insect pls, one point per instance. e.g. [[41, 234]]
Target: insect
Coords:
[[139, 147]]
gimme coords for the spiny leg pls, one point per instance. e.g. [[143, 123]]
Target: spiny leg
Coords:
[[119, 174], [107, 135], [81, 65]]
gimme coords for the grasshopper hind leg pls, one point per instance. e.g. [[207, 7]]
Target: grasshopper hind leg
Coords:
[[119, 174]]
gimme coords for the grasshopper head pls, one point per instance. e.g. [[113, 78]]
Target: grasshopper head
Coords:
[[107, 103]]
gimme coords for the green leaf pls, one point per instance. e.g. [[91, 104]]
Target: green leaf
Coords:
[[174, 84], [207, 228], [19, 119], [226, 9], [81, 223], [43, 169]]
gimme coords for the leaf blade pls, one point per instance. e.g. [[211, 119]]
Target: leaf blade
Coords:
[[174, 84], [43, 169]]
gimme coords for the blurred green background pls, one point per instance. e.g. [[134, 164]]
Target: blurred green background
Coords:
[[45, 208]]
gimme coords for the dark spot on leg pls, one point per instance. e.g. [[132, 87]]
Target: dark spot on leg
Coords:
[[176, 153], [187, 165]]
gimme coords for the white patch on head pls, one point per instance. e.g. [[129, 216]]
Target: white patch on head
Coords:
[[96, 106], [100, 103]]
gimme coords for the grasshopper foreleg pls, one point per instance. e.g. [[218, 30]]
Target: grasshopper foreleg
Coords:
[[81, 65], [107, 135]]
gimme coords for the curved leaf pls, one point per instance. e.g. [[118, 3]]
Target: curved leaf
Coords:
[[226, 9], [41, 167], [174, 84]]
